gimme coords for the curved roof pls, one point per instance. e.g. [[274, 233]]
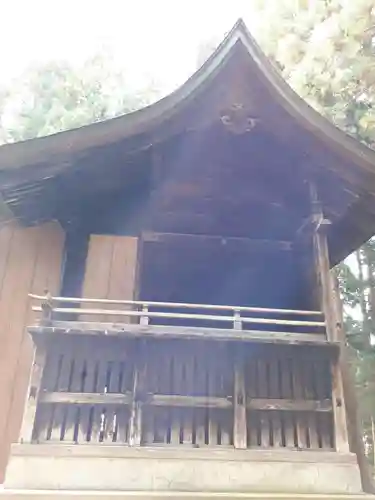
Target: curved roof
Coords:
[[145, 119], [51, 155]]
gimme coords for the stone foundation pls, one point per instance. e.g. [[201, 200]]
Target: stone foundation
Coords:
[[110, 468], [113, 495]]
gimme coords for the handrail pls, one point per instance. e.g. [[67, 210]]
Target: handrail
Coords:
[[209, 317], [174, 305], [141, 310]]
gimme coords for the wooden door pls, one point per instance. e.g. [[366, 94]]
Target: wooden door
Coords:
[[110, 273]]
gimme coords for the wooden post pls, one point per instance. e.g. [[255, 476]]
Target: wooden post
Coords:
[[237, 323], [144, 319], [240, 424], [28, 422], [339, 409], [135, 425], [373, 439], [47, 309], [355, 433], [325, 288]]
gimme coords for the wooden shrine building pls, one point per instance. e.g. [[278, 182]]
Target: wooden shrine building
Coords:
[[171, 269]]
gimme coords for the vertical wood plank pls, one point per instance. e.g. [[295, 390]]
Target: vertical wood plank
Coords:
[[13, 312], [51, 382], [200, 426], [27, 435], [122, 425], [30, 261], [262, 378], [240, 427], [75, 414], [314, 374], [275, 393], [264, 419], [96, 411], [299, 393], [313, 431], [176, 378], [87, 414], [64, 384], [286, 392], [6, 235], [188, 381], [109, 424], [135, 424], [251, 392], [122, 278], [111, 271], [199, 413], [46, 276], [97, 271], [212, 414], [324, 430], [263, 387]]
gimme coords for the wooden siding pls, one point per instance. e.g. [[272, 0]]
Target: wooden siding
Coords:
[[30, 261], [104, 367], [170, 393], [111, 269]]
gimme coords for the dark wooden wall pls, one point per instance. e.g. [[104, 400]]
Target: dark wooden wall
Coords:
[[30, 261]]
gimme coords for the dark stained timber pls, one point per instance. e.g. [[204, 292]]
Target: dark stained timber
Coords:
[[185, 392]]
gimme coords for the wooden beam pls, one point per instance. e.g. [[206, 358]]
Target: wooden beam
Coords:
[[290, 405], [178, 401], [178, 332], [188, 401], [86, 398], [325, 289], [324, 282], [225, 241], [127, 399]]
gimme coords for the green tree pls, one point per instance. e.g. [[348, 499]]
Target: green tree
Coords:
[[325, 49], [58, 96]]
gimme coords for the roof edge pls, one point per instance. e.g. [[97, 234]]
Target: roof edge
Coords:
[[13, 155], [140, 121]]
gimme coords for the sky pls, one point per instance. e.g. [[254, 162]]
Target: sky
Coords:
[[150, 37]]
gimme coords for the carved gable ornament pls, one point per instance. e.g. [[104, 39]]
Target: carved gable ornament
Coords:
[[238, 119]]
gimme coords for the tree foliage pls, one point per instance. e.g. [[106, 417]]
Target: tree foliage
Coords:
[[57, 96], [326, 51]]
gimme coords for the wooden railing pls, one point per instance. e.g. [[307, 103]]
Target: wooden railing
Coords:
[[236, 316], [117, 391], [93, 388]]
